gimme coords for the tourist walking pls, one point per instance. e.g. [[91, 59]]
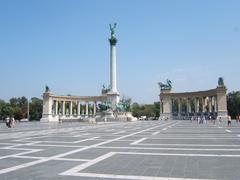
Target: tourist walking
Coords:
[[8, 122], [229, 120]]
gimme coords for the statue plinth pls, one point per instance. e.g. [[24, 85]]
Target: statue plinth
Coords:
[[113, 41]]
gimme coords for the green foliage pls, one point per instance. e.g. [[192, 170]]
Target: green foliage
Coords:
[[7, 110], [35, 111], [149, 110], [18, 108], [2, 105], [233, 103]]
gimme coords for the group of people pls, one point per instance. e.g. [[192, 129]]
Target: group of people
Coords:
[[238, 119], [203, 119], [230, 120], [10, 122]]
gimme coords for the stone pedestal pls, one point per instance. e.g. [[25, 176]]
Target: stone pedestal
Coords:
[[114, 98], [222, 102], [166, 103], [47, 115]]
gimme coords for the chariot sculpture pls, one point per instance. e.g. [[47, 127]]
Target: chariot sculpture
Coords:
[[167, 86]]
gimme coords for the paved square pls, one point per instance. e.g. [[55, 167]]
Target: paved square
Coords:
[[120, 150]]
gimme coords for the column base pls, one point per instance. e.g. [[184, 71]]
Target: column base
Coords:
[[165, 116], [114, 98], [49, 118], [223, 115]]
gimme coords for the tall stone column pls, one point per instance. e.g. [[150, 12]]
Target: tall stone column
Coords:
[[113, 71], [113, 95]]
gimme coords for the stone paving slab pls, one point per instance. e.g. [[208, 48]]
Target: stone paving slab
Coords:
[[120, 150]]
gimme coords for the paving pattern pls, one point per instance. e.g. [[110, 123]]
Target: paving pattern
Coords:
[[143, 150]]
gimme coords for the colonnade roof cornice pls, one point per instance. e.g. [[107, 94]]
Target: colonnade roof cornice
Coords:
[[78, 98], [211, 92]]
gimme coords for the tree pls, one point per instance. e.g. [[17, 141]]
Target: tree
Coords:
[[14, 102], [157, 108], [149, 110], [135, 109], [233, 103], [7, 110], [35, 111], [2, 105]]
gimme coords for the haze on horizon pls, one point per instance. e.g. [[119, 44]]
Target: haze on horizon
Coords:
[[64, 44]]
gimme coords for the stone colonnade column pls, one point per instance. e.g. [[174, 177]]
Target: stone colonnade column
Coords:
[[94, 108], [79, 108], [203, 103], [71, 105], [189, 105], [86, 113], [179, 107], [198, 105], [187, 100], [215, 104], [63, 108], [56, 107], [210, 104]]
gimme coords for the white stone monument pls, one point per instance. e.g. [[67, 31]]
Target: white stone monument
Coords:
[[113, 95]]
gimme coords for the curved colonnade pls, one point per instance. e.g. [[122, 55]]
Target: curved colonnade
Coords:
[[188, 104], [69, 107]]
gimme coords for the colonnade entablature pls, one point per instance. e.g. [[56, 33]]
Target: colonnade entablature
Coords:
[[57, 107], [210, 103]]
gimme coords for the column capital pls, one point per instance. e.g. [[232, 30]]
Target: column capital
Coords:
[[112, 41]]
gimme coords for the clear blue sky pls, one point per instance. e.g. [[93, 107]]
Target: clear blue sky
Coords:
[[64, 44]]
